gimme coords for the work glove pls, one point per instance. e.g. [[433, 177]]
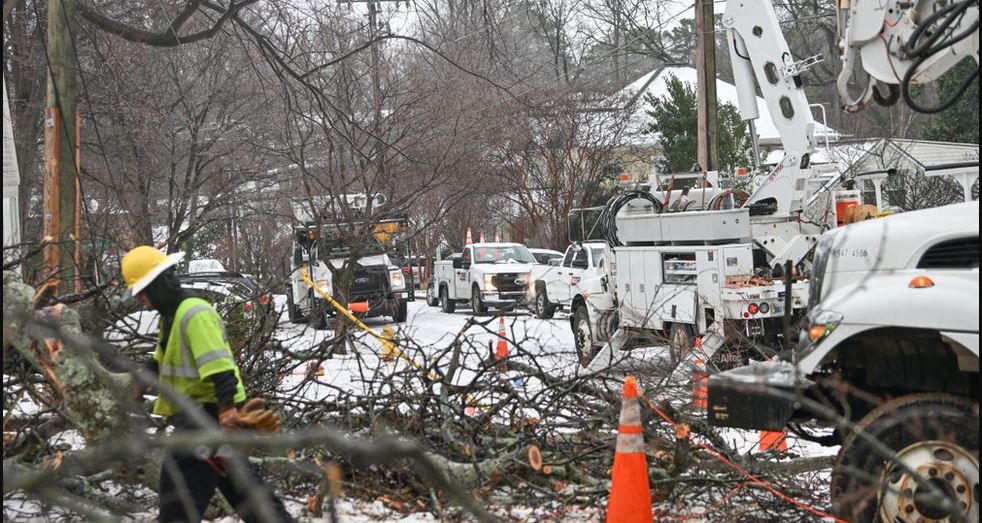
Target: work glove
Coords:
[[229, 418], [255, 415]]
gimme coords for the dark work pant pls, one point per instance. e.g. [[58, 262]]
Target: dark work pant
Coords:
[[187, 484]]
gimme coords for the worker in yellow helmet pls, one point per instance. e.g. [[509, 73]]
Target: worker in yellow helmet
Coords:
[[193, 356]]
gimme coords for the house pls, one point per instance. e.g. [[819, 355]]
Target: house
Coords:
[[11, 185], [644, 146]]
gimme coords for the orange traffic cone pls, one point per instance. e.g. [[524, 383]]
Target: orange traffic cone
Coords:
[[775, 440], [501, 351], [630, 494], [700, 382], [469, 239], [482, 236]]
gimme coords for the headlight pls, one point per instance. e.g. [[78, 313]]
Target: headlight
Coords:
[[489, 282], [397, 280], [821, 324]]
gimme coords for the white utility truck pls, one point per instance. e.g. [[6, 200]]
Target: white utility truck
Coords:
[[555, 285], [346, 259], [485, 274], [892, 344]]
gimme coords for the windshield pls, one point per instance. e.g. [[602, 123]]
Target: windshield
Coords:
[[503, 254]]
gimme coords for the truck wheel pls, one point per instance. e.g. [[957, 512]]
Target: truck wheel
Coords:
[[679, 342], [477, 301], [400, 314], [934, 434], [317, 318], [543, 309], [292, 311], [446, 304], [431, 298], [585, 350]]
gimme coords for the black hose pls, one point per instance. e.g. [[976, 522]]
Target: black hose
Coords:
[[921, 49], [609, 215]]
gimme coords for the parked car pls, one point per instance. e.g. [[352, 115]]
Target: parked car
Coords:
[[411, 267], [207, 265], [246, 309], [544, 256]]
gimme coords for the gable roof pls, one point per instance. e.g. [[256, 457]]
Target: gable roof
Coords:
[[655, 83]]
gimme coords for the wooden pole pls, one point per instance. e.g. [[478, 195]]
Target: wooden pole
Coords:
[[60, 189], [708, 152]]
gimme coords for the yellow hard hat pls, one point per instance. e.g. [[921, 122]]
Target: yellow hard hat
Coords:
[[144, 263]]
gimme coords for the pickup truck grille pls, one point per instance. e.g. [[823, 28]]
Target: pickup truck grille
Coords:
[[368, 282], [506, 282]]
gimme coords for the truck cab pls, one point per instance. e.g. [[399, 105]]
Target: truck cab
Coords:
[[554, 286], [348, 261], [892, 345]]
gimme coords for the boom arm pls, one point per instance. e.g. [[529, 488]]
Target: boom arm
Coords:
[[758, 50]]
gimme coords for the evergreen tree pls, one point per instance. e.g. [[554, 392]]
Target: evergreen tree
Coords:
[[674, 120]]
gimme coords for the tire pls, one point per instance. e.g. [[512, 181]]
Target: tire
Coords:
[[317, 317], [679, 342], [431, 297], [446, 304], [932, 432], [292, 311], [477, 301], [401, 313], [543, 309], [582, 336]]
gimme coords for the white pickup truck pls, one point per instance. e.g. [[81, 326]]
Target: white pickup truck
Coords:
[[554, 286], [485, 274]]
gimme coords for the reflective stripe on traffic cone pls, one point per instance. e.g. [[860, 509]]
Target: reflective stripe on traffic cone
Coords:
[[630, 494], [482, 236], [775, 440], [501, 350], [469, 239], [700, 382], [497, 236]]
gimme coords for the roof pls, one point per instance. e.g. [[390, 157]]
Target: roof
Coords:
[[655, 83], [886, 152]]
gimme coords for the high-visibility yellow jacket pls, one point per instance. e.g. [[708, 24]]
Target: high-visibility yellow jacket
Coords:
[[196, 349]]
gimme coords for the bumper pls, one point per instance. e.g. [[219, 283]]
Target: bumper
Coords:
[[372, 305], [504, 298], [756, 396]]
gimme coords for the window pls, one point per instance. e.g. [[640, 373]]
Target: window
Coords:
[[580, 260], [568, 259]]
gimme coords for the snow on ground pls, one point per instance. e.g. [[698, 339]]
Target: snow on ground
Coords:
[[427, 338]]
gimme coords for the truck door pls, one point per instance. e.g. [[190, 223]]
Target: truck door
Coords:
[[578, 267], [558, 284], [461, 282]]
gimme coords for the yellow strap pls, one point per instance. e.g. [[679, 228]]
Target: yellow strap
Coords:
[[388, 343]]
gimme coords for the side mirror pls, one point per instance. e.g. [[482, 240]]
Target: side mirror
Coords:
[[555, 262], [460, 263]]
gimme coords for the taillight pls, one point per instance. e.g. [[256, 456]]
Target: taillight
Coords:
[[753, 309], [266, 299], [406, 270], [247, 306]]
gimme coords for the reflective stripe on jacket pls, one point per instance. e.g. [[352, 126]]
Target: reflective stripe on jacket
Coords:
[[196, 349]]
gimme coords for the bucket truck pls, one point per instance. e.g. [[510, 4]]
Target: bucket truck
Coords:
[[889, 354]]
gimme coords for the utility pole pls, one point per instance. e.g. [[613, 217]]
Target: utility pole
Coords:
[[60, 139], [707, 126]]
